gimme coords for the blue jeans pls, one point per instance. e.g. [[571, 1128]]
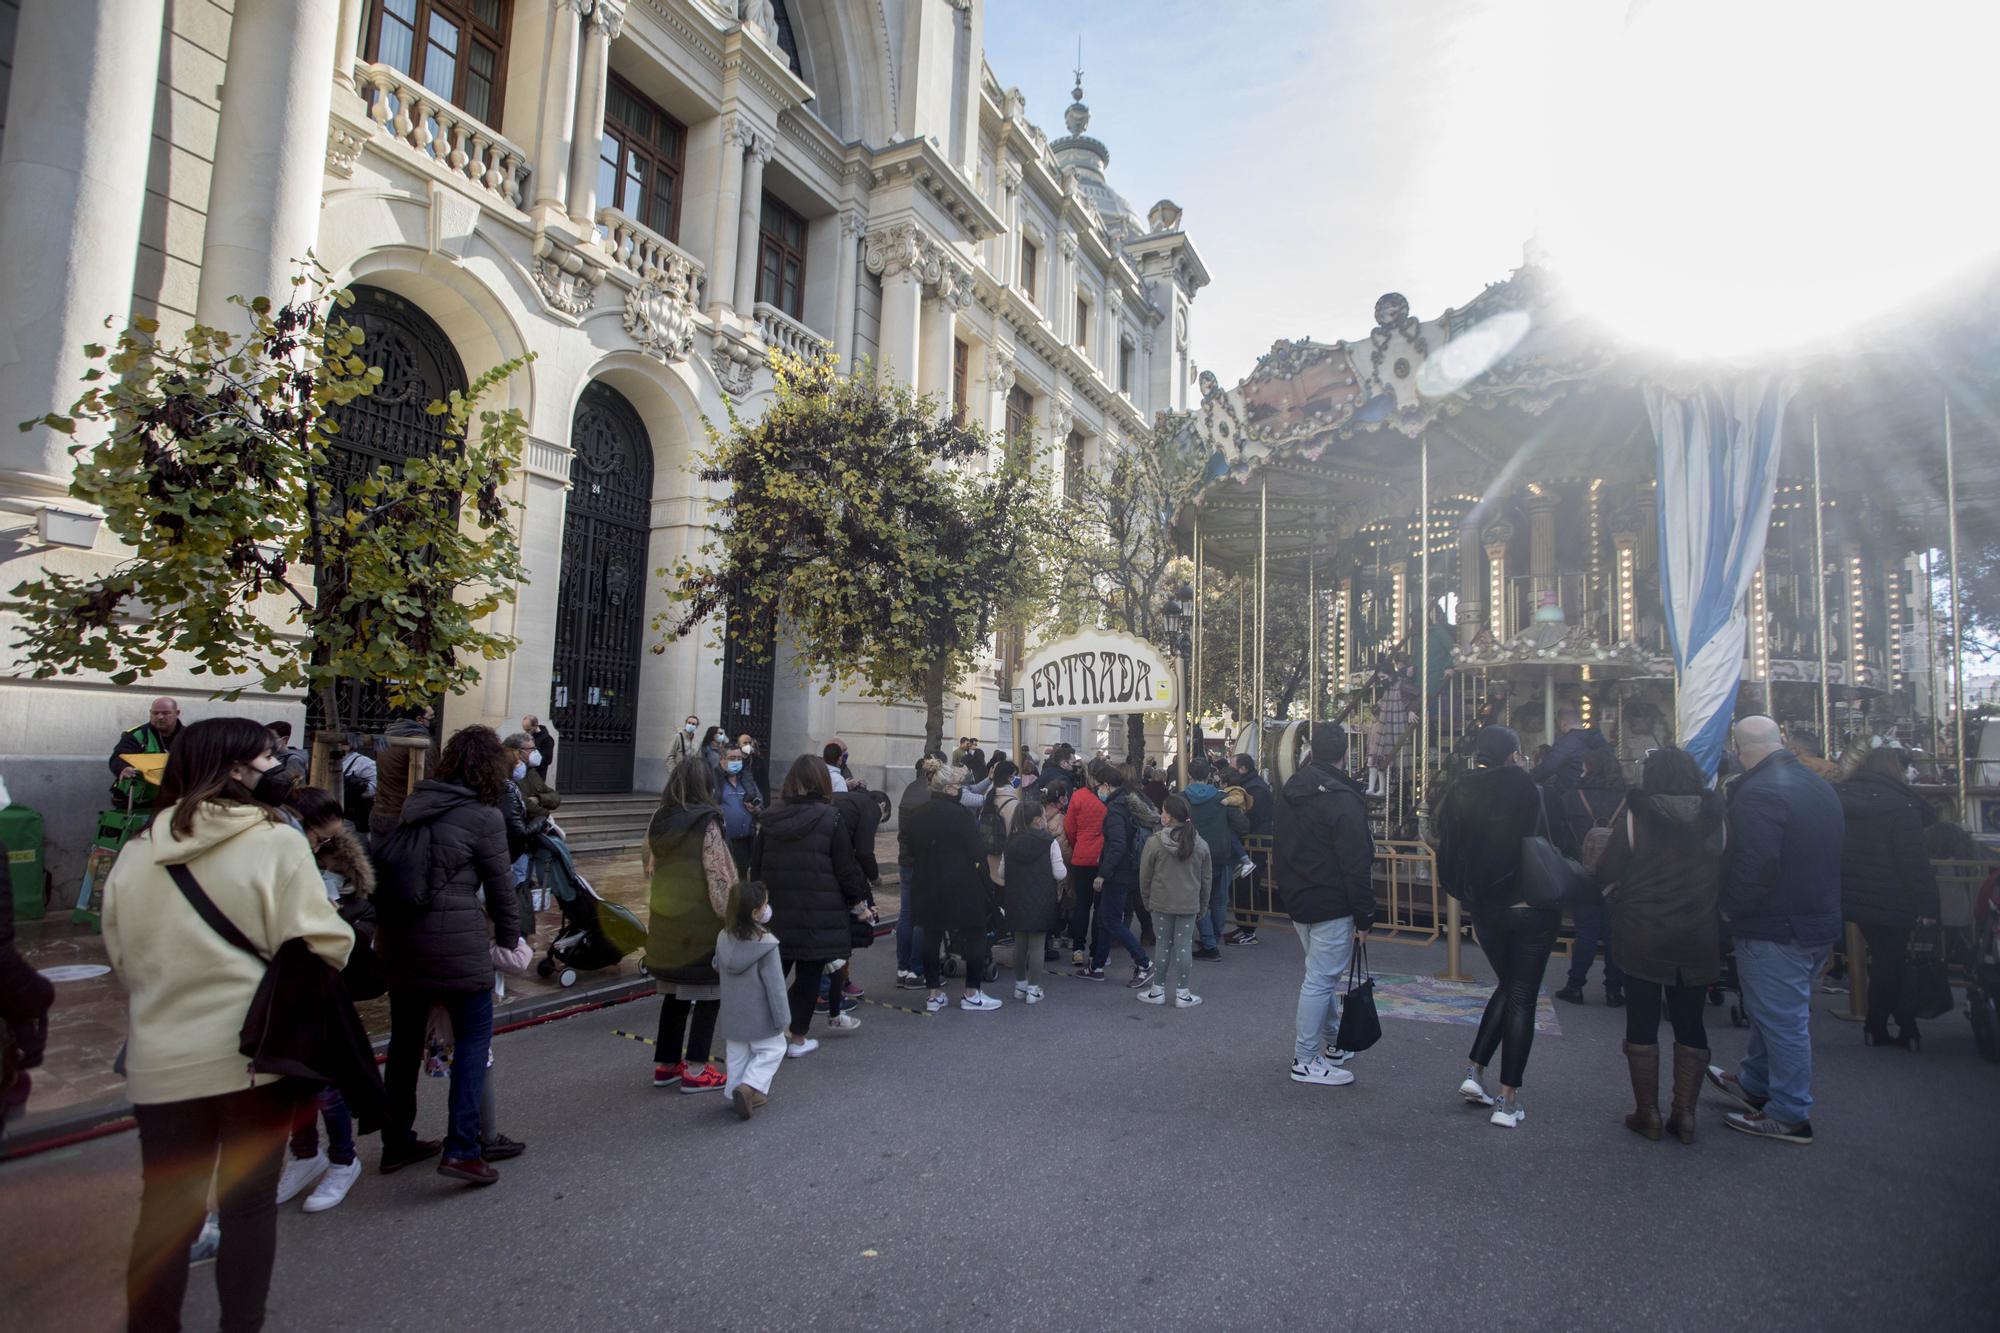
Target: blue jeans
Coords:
[[1590, 918], [339, 1128], [909, 940], [471, 1014], [1111, 928], [1329, 945], [1777, 980], [1214, 922]]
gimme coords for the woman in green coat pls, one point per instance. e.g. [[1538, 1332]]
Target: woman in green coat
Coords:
[[687, 858]]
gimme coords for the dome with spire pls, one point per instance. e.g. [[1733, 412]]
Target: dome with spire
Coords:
[[1088, 158]]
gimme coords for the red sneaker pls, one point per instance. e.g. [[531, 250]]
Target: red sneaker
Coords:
[[665, 1076], [702, 1078]]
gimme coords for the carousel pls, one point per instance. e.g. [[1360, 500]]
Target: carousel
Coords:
[[1504, 509]]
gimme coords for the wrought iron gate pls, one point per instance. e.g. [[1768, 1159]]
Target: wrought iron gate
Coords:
[[749, 679], [419, 365], [601, 610]]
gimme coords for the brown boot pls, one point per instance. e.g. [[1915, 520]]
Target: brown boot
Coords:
[[1689, 1064], [1644, 1064], [747, 1100]]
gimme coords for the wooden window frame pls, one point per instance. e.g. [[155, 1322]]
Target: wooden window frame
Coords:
[[1018, 424], [1125, 352], [768, 242], [1030, 274], [631, 144], [1083, 308], [961, 378], [459, 12], [1075, 453]]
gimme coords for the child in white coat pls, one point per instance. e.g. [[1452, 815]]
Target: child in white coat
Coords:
[[755, 1008]]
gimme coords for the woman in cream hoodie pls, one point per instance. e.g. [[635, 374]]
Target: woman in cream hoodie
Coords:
[[201, 1112]]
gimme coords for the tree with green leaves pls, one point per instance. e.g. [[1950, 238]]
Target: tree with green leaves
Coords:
[[863, 518], [211, 464]]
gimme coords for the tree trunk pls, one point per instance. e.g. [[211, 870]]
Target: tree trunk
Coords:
[[1135, 742], [934, 684]]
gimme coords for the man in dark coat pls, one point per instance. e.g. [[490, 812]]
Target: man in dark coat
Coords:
[[545, 744], [1781, 898], [153, 736], [1887, 882], [1323, 865], [805, 856], [909, 939], [947, 890], [1222, 827], [1561, 773], [1263, 820], [394, 760]]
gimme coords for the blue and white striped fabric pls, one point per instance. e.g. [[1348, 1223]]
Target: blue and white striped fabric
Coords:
[[1718, 471]]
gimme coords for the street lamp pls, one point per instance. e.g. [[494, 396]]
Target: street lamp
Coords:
[[1179, 616]]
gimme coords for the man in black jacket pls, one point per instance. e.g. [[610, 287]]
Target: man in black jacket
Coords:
[[1263, 819], [1323, 867], [1781, 900]]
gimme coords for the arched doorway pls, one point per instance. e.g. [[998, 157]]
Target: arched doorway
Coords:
[[419, 365], [594, 696]]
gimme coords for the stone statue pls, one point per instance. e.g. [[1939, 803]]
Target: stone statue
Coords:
[[763, 16]]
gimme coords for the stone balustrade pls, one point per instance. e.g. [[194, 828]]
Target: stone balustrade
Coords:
[[789, 336], [405, 110], [643, 252]]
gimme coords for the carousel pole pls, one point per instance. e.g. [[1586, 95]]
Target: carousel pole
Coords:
[[1930, 647], [1957, 644], [1422, 787], [1194, 708], [1263, 585], [1242, 648], [1312, 638], [1819, 590]]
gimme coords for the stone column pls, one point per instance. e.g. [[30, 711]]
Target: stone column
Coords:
[[846, 280], [902, 302], [750, 219], [559, 113], [347, 42], [270, 155], [606, 21], [939, 332], [1010, 241], [1061, 305], [728, 193], [72, 188], [1542, 547]]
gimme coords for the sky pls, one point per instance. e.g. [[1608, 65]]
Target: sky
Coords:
[[1315, 170], [1714, 177]]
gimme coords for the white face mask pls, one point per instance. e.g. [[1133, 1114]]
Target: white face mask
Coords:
[[762, 914], [688, 727], [535, 758], [520, 771]]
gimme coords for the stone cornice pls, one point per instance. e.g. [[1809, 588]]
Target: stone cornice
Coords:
[[748, 59], [917, 160], [693, 25], [1068, 367]]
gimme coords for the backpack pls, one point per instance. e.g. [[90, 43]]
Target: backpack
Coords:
[[992, 828], [403, 873], [1136, 831], [355, 802]]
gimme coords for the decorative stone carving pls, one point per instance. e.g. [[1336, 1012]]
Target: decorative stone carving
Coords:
[[752, 137], [850, 225], [735, 367], [1000, 369], [1164, 216], [1012, 178], [1062, 418], [904, 245], [1069, 246], [659, 312], [761, 17], [566, 278], [608, 17], [343, 149]]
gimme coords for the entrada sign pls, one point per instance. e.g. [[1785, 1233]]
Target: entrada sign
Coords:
[[1096, 671]]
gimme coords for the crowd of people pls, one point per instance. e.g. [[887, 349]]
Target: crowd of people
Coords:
[[756, 908]]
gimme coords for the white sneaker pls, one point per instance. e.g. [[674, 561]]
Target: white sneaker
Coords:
[[1472, 1092], [333, 1186], [205, 1246], [1186, 999], [1319, 1071], [1021, 990], [933, 1003], [300, 1172], [1335, 1056], [1508, 1118], [843, 1023], [1032, 995], [978, 1001], [1156, 995], [1245, 868], [798, 1050]]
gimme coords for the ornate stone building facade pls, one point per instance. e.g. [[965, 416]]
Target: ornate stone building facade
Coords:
[[645, 194]]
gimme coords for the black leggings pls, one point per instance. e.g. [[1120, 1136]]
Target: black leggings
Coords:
[[804, 992], [1517, 942], [238, 1139], [695, 1018], [1683, 1003], [1886, 947], [977, 952]]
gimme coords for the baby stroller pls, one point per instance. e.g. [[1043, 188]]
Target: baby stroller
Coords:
[[595, 933]]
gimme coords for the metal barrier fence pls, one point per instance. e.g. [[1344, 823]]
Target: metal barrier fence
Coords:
[[1410, 907]]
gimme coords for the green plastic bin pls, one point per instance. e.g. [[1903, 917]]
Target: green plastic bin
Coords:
[[21, 835]]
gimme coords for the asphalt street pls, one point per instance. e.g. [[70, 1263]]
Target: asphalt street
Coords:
[[1092, 1162]]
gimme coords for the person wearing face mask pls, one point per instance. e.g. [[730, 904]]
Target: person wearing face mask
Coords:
[[684, 744], [834, 753], [755, 1007], [755, 763], [947, 893], [202, 1117], [1128, 823], [530, 802], [741, 801], [545, 744], [1083, 829]]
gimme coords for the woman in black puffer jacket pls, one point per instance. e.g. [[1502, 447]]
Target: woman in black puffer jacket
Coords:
[[806, 860], [441, 954], [1887, 884]]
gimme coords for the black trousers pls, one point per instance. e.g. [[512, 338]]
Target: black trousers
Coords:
[[237, 1139], [977, 953], [1887, 946], [804, 992], [1517, 942], [693, 1018], [1643, 1001]]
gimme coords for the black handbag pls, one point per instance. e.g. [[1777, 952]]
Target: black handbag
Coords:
[[1926, 983], [1547, 878], [1360, 1025]]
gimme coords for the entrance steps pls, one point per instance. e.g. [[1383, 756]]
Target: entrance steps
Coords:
[[609, 823]]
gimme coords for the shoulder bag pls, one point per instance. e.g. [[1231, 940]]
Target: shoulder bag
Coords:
[[1546, 877], [1360, 1026]]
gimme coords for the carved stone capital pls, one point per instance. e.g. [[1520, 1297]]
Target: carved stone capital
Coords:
[[1011, 176], [1062, 419], [608, 17], [1069, 246], [904, 245], [850, 225]]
